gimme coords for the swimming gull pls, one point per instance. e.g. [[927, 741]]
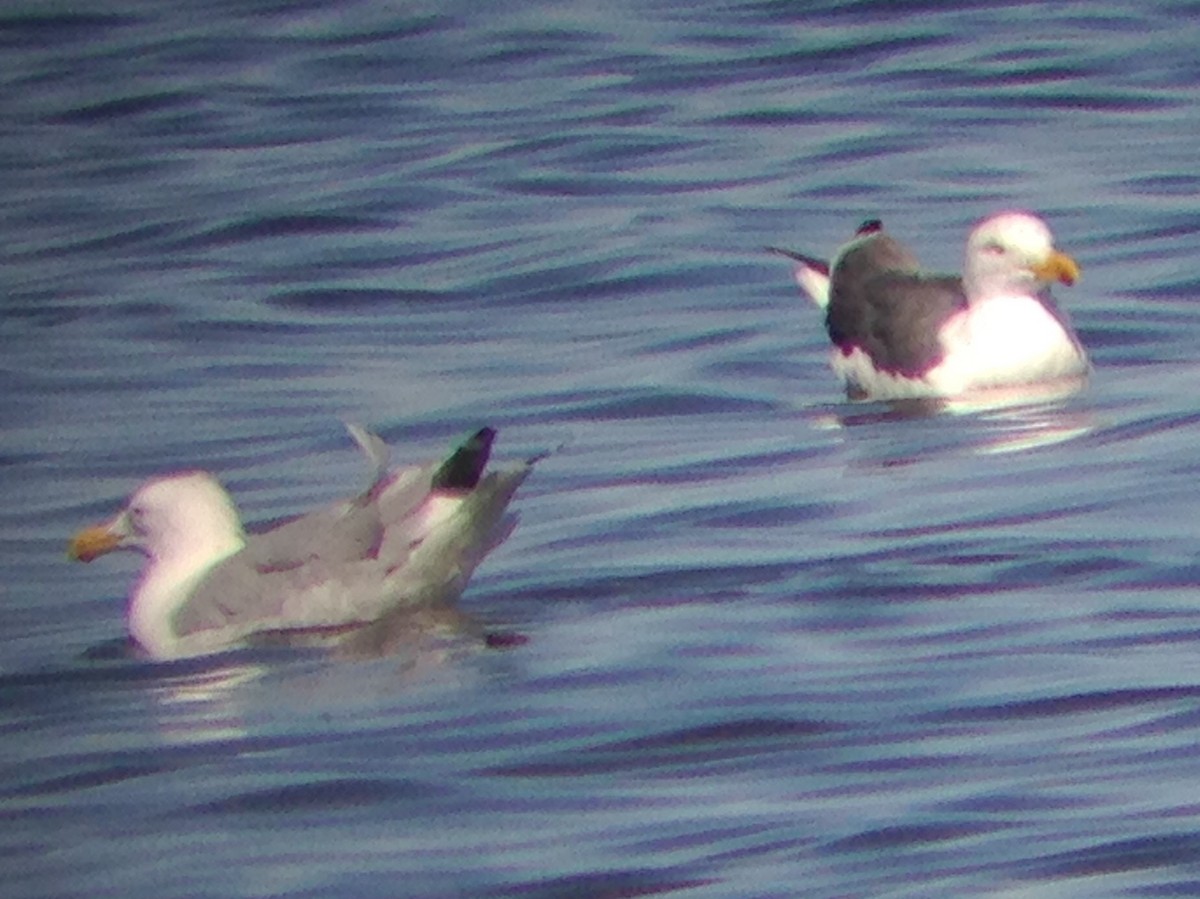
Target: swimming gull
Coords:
[[413, 537], [899, 332]]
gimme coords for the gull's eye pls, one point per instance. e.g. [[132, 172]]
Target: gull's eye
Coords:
[[137, 519], [992, 248]]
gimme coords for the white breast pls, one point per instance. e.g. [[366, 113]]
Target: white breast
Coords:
[[1006, 340]]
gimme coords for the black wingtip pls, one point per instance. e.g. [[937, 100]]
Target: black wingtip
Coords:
[[465, 466], [819, 265], [870, 226]]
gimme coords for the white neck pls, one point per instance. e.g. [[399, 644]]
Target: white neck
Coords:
[[984, 285], [164, 587]]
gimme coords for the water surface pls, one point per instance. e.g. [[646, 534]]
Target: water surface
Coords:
[[778, 644]]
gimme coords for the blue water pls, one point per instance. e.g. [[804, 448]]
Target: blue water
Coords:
[[777, 644]]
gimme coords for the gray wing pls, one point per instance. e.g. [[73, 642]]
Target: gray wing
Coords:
[[354, 530], [439, 563], [237, 597], [405, 501], [342, 532], [235, 594], [867, 257], [417, 558], [879, 302], [440, 569]]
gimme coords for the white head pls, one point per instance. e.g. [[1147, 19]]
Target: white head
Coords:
[[188, 513], [1013, 252], [184, 524]]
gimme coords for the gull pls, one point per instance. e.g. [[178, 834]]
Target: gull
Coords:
[[411, 539], [899, 332]]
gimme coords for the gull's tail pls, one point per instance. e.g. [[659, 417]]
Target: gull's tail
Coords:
[[811, 274]]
